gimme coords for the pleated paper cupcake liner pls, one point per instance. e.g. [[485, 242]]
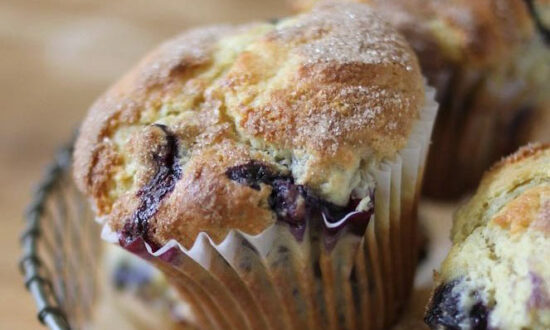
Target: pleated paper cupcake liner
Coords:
[[324, 275]]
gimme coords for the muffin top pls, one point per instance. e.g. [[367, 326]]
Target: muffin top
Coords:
[[471, 31], [234, 127], [497, 272], [511, 181]]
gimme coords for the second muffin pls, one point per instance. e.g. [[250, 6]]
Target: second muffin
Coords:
[[497, 274]]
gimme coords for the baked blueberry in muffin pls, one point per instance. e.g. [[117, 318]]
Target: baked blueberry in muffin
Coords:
[[497, 274], [269, 170], [446, 311]]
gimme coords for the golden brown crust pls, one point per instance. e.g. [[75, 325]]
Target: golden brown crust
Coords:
[[320, 93], [522, 154], [525, 210], [474, 53], [145, 85], [472, 31], [206, 200], [512, 180]]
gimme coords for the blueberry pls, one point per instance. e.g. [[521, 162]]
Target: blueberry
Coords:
[[168, 172], [294, 203], [287, 199], [445, 312], [251, 174]]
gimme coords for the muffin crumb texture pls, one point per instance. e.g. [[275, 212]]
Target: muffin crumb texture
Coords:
[[497, 274]]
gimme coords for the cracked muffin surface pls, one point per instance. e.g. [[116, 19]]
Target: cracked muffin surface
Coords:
[[497, 275], [490, 64], [318, 98]]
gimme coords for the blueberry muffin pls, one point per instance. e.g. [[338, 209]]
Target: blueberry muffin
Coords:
[[490, 64], [270, 170], [497, 274]]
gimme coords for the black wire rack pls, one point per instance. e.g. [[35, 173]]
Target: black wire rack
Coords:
[[61, 249]]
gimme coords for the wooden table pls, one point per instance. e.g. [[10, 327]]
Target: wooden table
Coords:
[[57, 56]]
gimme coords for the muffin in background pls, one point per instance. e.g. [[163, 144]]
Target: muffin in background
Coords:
[[490, 65], [271, 171], [497, 274]]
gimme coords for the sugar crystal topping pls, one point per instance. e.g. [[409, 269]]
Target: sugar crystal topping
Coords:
[[360, 37]]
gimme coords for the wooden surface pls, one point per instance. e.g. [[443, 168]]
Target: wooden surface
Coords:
[[56, 57]]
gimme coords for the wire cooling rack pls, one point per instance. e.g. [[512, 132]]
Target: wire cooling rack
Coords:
[[60, 249]]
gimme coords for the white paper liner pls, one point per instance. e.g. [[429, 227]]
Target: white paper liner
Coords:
[[275, 281]]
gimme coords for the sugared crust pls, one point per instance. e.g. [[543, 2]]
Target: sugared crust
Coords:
[[336, 73], [473, 31], [531, 151], [528, 166], [144, 86], [205, 200], [320, 93]]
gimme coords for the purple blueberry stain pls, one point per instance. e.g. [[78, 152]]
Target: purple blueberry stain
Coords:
[[295, 204], [539, 295], [251, 174], [445, 310], [288, 200], [168, 172], [479, 316]]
